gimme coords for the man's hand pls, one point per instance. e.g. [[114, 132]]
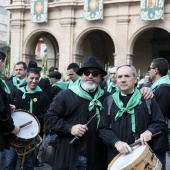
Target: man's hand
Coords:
[[123, 147], [79, 130], [147, 93], [12, 107], [145, 137], [16, 130]]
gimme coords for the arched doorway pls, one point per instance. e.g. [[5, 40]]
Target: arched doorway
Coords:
[[42, 47], [151, 43], [96, 43]]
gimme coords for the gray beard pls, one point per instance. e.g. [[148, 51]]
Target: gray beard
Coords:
[[89, 87]]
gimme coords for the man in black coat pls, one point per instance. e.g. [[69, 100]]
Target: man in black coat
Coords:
[[6, 122], [67, 116], [128, 118], [158, 71]]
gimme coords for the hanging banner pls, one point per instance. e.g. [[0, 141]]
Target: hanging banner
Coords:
[[152, 9], [93, 9], [39, 10]]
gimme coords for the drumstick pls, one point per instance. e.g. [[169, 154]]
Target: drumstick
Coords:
[[138, 141], [25, 124], [76, 137]]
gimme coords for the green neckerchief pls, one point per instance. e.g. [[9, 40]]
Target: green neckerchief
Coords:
[[37, 89], [60, 84], [14, 80], [134, 101], [108, 81], [109, 86], [162, 80], [76, 88], [5, 87], [71, 83]]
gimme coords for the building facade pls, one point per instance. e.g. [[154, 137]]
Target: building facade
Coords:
[[120, 37]]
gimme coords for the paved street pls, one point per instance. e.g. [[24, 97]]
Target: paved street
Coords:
[[48, 167]]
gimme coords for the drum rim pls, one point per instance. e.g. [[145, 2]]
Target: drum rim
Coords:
[[135, 162], [38, 122]]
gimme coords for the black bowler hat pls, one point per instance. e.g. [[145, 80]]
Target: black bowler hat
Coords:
[[91, 62], [33, 64], [55, 74], [2, 55]]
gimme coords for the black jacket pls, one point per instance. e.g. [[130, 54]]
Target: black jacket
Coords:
[[111, 131], [66, 110], [6, 122], [162, 97]]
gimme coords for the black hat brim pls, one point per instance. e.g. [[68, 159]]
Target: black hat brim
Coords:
[[79, 71]]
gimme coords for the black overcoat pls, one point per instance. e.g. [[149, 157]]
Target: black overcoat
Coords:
[[111, 131], [66, 110]]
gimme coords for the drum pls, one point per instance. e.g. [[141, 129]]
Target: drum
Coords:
[[27, 139], [141, 157]]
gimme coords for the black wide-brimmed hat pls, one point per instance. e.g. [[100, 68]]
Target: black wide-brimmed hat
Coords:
[[91, 62], [2, 55], [33, 64]]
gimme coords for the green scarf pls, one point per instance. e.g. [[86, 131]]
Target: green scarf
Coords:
[[71, 83], [94, 102], [134, 101], [4, 85], [37, 89], [109, 86], [14, 80], [162, 80], [60, 84]]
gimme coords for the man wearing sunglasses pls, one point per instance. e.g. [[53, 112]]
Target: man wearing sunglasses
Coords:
[[158, 71], [74, 116]]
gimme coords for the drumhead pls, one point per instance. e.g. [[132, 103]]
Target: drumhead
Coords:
[[125, 159], [30, 131]]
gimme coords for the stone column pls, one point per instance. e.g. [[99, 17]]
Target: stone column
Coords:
[[122, 34], [129, 59], [67, 23]]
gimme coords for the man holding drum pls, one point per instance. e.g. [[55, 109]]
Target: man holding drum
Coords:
[[29, 98], [128, 118]]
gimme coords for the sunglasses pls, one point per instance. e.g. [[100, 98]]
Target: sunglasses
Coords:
[[94, 73], [149, 68]]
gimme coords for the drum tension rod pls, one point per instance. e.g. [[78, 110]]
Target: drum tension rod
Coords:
[[147, 166]]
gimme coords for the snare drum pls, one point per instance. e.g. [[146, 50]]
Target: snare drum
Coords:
[[141, 157], [27, 139]]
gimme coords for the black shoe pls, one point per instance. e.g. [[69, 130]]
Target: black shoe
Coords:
[[38, 164]]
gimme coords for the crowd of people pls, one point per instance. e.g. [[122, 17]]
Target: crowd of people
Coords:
[[94, 118]]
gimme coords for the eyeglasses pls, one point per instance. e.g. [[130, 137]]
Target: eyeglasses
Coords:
[[112, 73], [149, 68], [94, 73]]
